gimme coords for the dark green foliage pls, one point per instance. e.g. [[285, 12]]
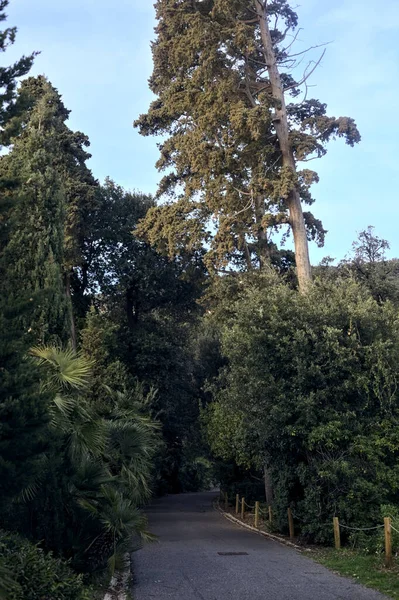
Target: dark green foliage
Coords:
[[23, 409], [311, 392], [34, 251], [51, 193], [171, 361], [149, 308], [9, 75], [28, 573], [23, 406]]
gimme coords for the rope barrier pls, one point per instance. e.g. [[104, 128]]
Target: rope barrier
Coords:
[[298, 518], [263, 512], [361, 528]]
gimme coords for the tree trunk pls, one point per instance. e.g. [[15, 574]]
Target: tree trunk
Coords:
[[131, 308], [263, 246], [71, 315], [268, 486], [281, 125]]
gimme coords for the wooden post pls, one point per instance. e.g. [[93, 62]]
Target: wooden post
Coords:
[[291, 523], [242, 507], [226, 502], [270, 513], [256, 514], [388, 542], [237, 503], [337, 533]]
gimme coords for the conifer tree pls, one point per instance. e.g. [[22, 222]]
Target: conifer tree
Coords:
[[23, 407], [233, 145], [66, 186], [8, 84], [9, 75], [34, 252]]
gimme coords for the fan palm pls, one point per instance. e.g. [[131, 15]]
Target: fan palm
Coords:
[[68, 369], [121, 523], [133, 442], [107, 460], [67, 376]]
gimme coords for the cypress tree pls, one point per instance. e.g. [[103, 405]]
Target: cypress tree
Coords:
[[23, 406], [23, 409], [233, 145], [9, 75], [67, 152], [34, 251]]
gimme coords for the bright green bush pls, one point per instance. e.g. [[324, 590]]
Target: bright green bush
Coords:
[[28, 573]]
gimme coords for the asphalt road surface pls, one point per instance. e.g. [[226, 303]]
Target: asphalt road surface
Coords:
[[185, 563]]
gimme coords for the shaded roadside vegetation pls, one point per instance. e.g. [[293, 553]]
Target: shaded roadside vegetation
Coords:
[[366, 568], [99, 379]]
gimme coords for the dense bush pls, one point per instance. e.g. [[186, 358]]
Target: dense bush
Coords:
[[28, 573], [311, 393]]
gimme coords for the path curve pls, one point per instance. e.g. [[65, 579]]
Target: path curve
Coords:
[[185, 563]]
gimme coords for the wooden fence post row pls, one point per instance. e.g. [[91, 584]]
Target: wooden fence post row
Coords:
[[336, 526]]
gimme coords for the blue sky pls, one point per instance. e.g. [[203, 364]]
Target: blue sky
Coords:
[[98, 55]]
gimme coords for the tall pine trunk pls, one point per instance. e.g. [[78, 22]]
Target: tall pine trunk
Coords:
[[72, 331], [297, 221]]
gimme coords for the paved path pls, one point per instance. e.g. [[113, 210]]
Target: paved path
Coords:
[[186, 565]]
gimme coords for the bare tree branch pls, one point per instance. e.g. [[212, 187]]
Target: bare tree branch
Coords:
[[294, 40], [306, 75], [308, 49]]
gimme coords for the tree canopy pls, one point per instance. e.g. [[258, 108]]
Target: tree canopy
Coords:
[[227, 185]]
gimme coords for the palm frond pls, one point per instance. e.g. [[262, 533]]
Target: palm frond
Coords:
[[87, 481], [31, 490], [67, 368], [87, 437]]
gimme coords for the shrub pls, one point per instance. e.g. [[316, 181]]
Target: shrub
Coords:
[[313, 379], [28, 573]]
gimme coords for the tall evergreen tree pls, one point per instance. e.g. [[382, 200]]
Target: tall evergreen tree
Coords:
[[9, 75], [232, 145], [23, 407], [8, 84], [34, 251], [48, 160]]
